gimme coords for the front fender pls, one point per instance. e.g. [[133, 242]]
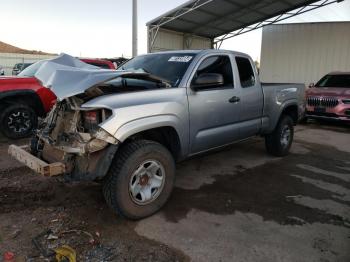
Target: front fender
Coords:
[[147, 123], [143, 124], [135, 112]]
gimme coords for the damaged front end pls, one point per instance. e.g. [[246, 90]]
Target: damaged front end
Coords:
[[72, 135], [71, 139]]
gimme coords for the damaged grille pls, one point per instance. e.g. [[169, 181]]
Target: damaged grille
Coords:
[[322, 101], [75, 131]]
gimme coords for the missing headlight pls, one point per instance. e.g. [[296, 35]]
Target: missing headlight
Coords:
[[91, 119]]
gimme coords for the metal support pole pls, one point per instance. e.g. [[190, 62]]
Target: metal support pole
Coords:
[[134, 28]]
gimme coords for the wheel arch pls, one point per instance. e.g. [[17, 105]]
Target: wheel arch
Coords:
[[28, 97], [163, 132], [289, 108], [292, 111]]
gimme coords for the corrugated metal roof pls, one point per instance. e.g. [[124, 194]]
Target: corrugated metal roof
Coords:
[[213, 18]]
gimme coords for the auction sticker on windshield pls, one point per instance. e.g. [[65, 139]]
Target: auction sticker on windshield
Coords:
[[180, 59]]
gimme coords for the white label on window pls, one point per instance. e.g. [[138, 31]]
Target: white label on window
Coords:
[[180, 59]]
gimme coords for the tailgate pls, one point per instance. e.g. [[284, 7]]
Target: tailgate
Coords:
[[22, 155]]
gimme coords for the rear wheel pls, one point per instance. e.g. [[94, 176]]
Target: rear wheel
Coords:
[[140, 179], [18, 121], [303, 120], [280, 140]]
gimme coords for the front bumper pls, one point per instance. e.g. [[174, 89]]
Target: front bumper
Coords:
[[340, 112], [328, 117], [41, 167]]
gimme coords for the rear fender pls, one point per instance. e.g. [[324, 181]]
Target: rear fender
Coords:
[[273, 121]]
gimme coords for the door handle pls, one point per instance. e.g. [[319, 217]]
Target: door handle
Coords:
[[234, 99]]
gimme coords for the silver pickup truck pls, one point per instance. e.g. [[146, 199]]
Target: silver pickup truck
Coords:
[[128, 128]]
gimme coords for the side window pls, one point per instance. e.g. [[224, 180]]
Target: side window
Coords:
[[245, 70], [219, 65]]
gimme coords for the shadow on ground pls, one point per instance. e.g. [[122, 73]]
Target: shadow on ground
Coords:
[[268, 190]]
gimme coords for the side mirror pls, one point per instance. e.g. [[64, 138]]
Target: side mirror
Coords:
[[206, 80], [311, 85]]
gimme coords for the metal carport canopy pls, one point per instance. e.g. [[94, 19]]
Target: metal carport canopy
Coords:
[[223, 19]]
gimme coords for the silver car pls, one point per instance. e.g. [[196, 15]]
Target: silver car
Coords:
[[129, 127]]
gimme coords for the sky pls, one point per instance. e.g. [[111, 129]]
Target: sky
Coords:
[[102, 28]]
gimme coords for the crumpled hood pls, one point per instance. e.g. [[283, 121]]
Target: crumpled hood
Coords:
[[67, 76]]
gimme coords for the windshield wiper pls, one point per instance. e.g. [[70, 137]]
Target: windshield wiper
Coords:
[[148, 77]]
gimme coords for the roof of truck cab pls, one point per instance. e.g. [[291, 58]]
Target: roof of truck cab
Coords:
[[190, 51], [200, 51]]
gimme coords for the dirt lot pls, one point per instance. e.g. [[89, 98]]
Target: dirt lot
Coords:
[[235, 205]]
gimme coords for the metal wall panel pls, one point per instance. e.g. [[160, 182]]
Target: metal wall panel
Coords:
[[200, 43], [171, 40], [303, 53], [8, 60], [168, 40]]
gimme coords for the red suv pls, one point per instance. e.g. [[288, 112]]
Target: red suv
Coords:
[[23, 99], [330, 97]]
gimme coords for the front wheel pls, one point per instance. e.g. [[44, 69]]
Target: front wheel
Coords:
[[18, 121], [280, 140], [140, 180]]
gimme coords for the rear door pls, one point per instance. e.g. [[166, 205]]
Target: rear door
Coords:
[[252, 98], [214, 115]]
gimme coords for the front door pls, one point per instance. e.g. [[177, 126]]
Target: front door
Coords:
[[214, 111]]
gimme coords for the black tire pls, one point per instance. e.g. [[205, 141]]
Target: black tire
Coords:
[[303, 120], [275, 144], [18, 121], [116, 186]]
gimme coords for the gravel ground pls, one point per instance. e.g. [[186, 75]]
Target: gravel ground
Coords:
[[238, 204]]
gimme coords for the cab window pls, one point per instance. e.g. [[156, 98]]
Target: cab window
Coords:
[[219, 65], [245, 70]]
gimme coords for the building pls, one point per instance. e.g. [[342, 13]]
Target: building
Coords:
[[168, 40], [11, 55], [304, 52], [202, 24]]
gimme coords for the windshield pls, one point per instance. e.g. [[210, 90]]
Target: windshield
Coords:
[[169, 66], [342, 81], [31, 70]]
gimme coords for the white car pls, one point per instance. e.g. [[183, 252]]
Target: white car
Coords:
[[2, 71]]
